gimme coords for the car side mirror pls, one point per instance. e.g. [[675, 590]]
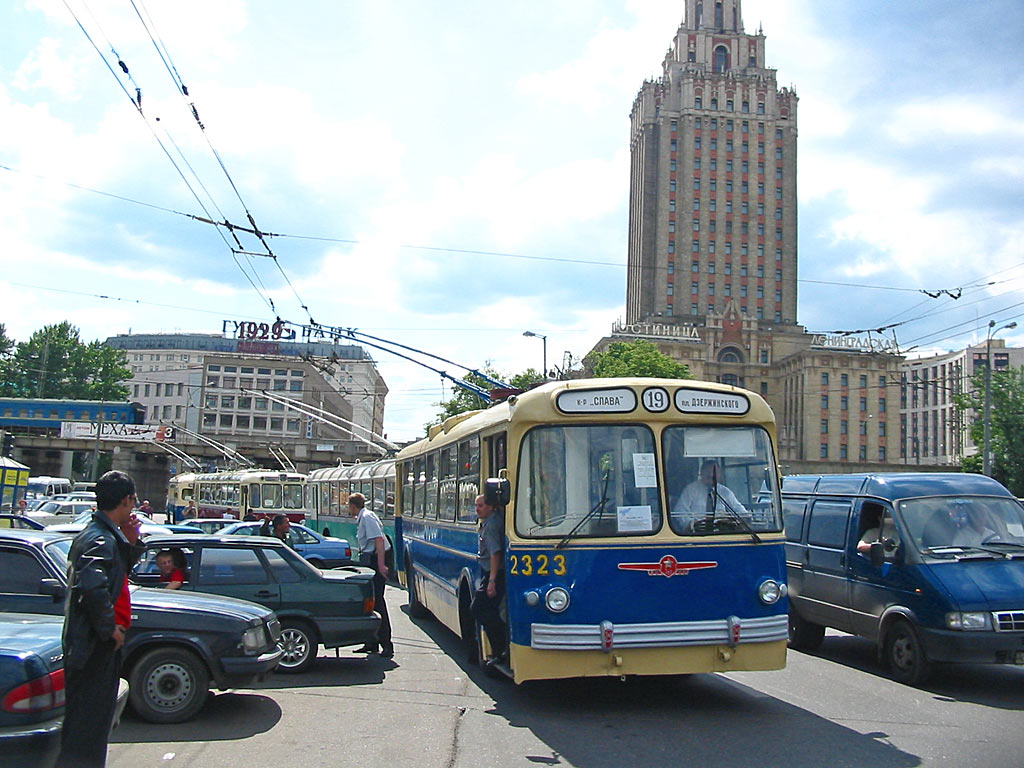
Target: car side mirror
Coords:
[[52, 587], [877, 554]]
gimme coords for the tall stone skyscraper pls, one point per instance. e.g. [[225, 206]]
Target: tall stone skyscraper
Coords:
[[712, 215], [712, 263]]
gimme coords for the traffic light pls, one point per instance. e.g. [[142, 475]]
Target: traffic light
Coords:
[[8, 445]]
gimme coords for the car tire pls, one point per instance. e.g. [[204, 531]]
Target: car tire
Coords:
[[300, 643], [417, 610], [905, 655], [804, 635], [168, 685]]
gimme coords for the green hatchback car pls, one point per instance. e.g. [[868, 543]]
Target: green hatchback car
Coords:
[[333, 608]]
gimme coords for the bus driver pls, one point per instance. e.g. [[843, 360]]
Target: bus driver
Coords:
[[695, 501]]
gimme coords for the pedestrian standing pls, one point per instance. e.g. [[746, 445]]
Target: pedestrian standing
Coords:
[[486, 605], [97, 612], [373, 553]]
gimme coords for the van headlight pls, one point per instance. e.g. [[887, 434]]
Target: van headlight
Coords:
[[557, 599], [770, 591], [977, 620], [254, 639]]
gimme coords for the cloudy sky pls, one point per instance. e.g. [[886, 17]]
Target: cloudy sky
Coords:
[[458, 157]]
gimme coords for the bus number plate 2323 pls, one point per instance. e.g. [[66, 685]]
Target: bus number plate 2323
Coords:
[[537, 565]]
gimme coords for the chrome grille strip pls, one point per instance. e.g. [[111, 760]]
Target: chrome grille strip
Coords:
[[1008, 621], [586, 637]]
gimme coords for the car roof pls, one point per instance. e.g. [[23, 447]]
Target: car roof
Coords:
[[33, 536], [896, 485], [202, 539]]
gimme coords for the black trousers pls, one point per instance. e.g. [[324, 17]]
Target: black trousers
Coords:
[[90, 699], [369, 559], [487, 611]]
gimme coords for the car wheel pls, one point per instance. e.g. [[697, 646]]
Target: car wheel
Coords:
[[905, 654], [299, 642], [168, 685], [804, 635], [417, 610]]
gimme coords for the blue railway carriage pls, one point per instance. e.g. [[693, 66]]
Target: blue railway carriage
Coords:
[[50, 414], [643, 531]]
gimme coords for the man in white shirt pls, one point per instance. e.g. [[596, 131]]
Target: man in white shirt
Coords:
[[693, 504], [373, 546]]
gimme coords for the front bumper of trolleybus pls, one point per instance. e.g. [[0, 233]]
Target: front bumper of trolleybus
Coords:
[[665, 648]]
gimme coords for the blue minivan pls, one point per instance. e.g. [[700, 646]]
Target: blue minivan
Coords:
[[927, 565]]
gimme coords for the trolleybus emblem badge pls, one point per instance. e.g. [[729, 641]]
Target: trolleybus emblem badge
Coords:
[[668, 567]]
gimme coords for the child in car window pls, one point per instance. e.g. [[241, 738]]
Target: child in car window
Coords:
[[173, 568]]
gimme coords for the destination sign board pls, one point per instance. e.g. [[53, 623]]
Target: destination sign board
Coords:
[[702, 401], [612, 400]]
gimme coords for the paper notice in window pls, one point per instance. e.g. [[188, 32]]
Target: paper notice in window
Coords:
[[644, 475], [635, 519]]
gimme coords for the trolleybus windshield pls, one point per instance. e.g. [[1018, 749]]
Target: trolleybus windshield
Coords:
[[720, 480], [585, 481]]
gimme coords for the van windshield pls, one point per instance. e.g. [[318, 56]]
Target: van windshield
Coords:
[[963, 521]]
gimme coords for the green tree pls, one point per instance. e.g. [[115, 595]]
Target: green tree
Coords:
[[1007, 426], [56, 363], [634, 358], [463, 400], [6, 363]]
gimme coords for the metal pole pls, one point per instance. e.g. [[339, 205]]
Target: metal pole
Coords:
[[544, 339], [96, 449], [986, 460]]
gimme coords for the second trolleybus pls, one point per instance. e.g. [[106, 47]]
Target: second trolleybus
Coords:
[[328, 489], [622, 557]]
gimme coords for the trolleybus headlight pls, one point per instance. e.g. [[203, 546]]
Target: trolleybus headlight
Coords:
[[532, 598], [770, 591], [557, 599]]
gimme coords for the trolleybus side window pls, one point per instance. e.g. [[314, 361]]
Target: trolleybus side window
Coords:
[[588, 481], [720, 480], [448, 480], [499, 455], [419, 494], [389, 497], [469, 478], [430, 488], [255, 498]]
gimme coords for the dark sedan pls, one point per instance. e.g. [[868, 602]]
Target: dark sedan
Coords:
[[32, 689], [179, 644], [333, 608]]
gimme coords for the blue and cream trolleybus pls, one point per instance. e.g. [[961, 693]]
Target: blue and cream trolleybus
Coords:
[[643, 529]]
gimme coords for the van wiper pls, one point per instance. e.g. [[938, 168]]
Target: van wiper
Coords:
[[596, 509]]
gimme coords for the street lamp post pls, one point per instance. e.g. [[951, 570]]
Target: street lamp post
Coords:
[[544, 339], [986, 460]]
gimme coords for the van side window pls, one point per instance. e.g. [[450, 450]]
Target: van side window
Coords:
[[793, 511], [827, 527]]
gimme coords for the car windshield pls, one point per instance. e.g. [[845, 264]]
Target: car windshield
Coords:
[[963, 521], [720, 480], [58, 552], [588, 481], [50, 506]]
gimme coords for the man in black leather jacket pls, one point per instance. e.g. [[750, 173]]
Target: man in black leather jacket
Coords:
[[96, 614]]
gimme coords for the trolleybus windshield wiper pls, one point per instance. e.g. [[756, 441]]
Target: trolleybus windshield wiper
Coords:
[[596, 509], [716, 497]]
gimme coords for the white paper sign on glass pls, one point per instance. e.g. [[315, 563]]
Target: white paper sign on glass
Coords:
[[701, 401], [636, 519], [644, 475], [612, 400]]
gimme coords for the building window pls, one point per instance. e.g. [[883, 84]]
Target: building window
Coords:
[[824, 450], [721, 61], [842, 451], [844, 403], [242, 422], [863, 403], [696, 225], [746, 107], [881, 453], [863, 453], [764, 356], [824, 379], [824, 402], [863, 427], [698, 102], [760, 107], [696, 246], [843, 426], [293, 425], [824, 426], [714, 102], [671, 268], [226, 420], [694, 288], [844, 380], [728, 105], [276, 424], [209, 420], [881, 404]]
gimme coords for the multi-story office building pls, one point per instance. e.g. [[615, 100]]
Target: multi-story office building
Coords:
[[210, 384], [933, 430], [712, 252]]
